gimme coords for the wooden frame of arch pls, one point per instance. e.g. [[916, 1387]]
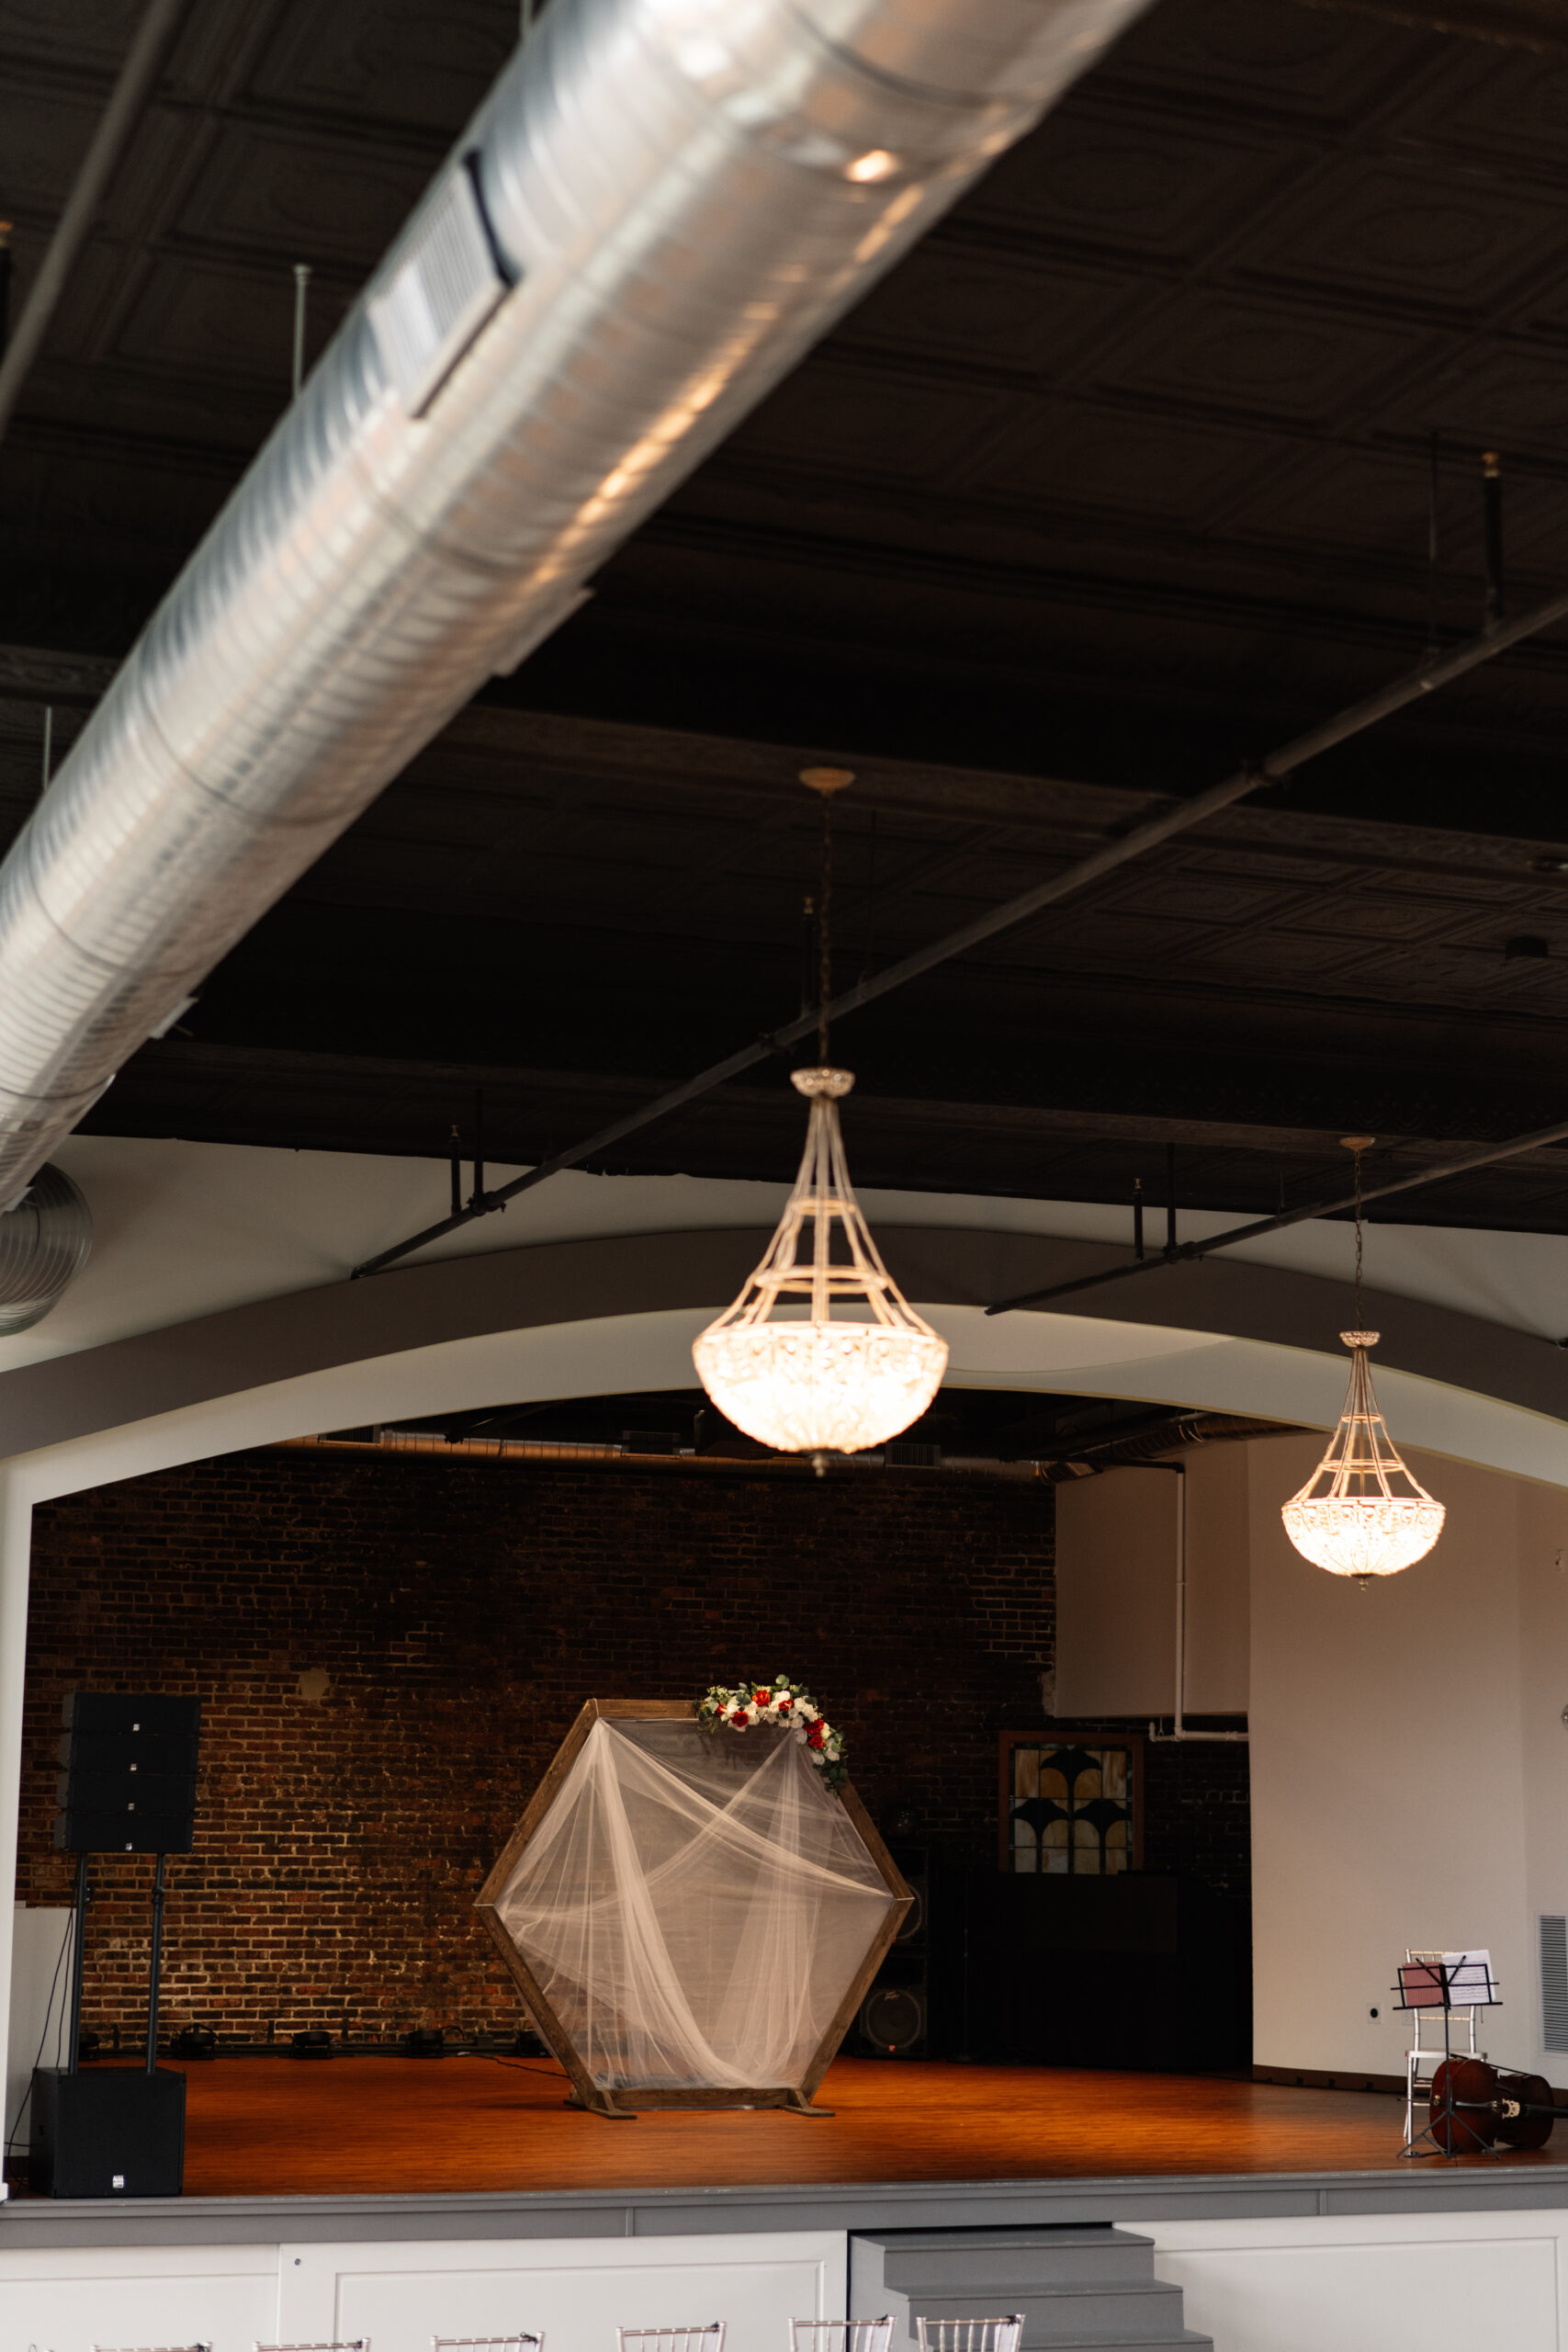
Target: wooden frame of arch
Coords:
[[797, 2098]]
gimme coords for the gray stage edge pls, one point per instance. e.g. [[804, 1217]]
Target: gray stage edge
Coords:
[[1087, 2289], [861, 2208]]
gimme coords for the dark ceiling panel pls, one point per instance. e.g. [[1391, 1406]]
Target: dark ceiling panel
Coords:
[[1122, 476]]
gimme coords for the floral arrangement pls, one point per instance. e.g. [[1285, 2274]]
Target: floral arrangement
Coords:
[[787, 1705]]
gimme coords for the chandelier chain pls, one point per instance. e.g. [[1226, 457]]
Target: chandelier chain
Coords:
[[824, 944], [1360, 1315]]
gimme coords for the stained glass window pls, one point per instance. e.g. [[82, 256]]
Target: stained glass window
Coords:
[[1070, 1804]]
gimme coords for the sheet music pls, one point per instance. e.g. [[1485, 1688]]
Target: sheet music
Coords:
[[1471, 1982]]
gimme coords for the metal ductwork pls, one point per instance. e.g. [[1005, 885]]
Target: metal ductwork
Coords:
[[1171, 1436], [659, 208], [45, 1240]]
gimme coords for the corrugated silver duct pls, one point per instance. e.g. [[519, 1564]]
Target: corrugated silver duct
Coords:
[[45, 1241], [660, 207]]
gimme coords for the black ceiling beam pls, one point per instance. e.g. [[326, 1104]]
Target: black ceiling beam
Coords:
[[138, 76], [1513, 24], [1413, 687], [1186, 1250]]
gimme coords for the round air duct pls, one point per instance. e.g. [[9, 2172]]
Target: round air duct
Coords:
[[45, 1241]]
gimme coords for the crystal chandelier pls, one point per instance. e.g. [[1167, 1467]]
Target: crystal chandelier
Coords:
[[822, 1353], [1362, 1513]]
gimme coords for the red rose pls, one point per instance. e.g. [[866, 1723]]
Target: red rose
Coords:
[[785, 1703], [738, 1718], [763, 1698], [817, 1734]]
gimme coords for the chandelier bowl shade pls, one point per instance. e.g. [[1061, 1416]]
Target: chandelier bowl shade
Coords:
[[1362, 1513], [781, 1363]]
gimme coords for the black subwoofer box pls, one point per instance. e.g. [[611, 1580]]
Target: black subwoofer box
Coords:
[[118, 2132]]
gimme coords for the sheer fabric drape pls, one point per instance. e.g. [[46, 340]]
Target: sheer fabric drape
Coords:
[[695, 1907]]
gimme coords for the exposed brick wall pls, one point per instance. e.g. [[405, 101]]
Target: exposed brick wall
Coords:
[[1197, 1813], [461, 1611]]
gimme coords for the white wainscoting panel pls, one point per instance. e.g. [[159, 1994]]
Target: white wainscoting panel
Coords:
[[576, 2290], [1372, 2283], [126, 2295]]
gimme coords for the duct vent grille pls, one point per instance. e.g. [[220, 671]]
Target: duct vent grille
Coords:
[[444, 286], [1554, 1982]]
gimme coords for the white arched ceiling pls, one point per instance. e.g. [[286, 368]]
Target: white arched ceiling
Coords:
[[214, 1313]]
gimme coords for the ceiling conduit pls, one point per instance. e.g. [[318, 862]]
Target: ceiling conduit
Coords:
[[659, 208]]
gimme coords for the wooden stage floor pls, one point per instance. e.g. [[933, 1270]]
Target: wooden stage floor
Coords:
[[399, 2126]]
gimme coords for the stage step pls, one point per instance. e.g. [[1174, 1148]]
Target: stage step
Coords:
[[1084, 2289]]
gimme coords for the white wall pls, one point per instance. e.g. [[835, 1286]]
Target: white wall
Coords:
[[41, 1969], [1116, 1554], [1419, 2282], [575, 2291], [1409, 1764]]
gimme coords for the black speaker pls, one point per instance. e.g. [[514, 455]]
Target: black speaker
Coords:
[[127, 1785], [895, 2017], [118, 2132], [893, 2020]]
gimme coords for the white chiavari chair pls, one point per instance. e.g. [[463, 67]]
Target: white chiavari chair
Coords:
[[841, 2335], [970, 2335], [338, 2343], [198, 2347], [671, 2339], [490, 2343], [1430, 2053], [521, 2342]]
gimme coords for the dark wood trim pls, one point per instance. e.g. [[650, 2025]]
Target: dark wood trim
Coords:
[[903, 1898], [1052, 1733]]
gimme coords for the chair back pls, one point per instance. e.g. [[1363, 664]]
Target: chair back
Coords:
[[152, 2347], [671, 2339], [338, 2343], [840, 2335], [521, 2342], [971, 2334], [1463, 2018]]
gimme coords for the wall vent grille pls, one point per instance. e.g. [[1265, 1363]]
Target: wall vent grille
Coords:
[[444, 288], [1554, 1982]]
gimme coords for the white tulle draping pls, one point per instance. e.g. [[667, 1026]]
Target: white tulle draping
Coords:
[[695, 1907]]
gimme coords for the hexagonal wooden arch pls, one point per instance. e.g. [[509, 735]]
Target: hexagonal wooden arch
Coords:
[[586, 2092]]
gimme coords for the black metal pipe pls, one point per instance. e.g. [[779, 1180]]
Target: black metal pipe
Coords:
[[1435, 1174], [477, 1203], [1491, 527], [455, 1164], [155, 1966], [1138, 1218], [1170, 1200], [73, 2046], [1411, 687]]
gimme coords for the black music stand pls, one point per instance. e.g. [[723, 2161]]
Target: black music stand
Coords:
[[1460, 1980]]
